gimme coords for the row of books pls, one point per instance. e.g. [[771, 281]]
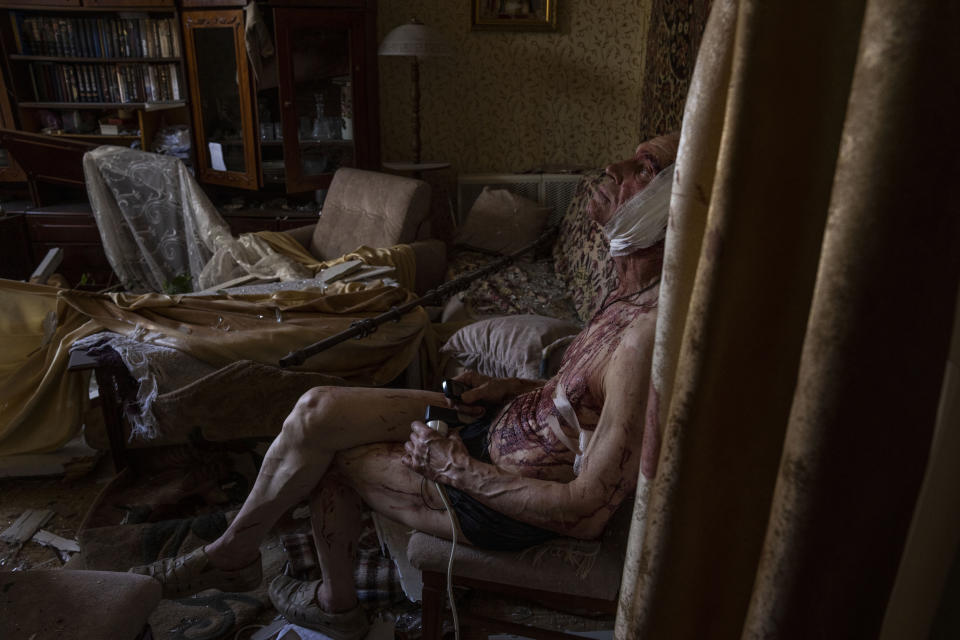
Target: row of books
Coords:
[[113, 83], [142, 37]]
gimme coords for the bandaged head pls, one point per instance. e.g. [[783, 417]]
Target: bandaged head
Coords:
[[641, 221]]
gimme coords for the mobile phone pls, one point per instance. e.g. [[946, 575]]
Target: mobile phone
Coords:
[[443, 414], [453, 389]]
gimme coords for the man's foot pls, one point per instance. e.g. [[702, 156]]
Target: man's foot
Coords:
[[193, 573], [296, 600]]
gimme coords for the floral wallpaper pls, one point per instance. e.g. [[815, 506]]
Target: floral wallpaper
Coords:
[[512, 101]]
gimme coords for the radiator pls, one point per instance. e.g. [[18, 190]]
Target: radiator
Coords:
[[553, 190]]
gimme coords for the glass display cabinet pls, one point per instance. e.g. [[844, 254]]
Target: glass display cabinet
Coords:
[[288, 119], [220, 86]]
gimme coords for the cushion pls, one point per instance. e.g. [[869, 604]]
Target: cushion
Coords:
[[506, 346], [581, 254], [369, 208], [590, 568], [502, 222]]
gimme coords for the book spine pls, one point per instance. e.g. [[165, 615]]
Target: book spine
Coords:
[[174, 81], [19, 35], [92, 86], [34, 84], [142, 33], [139, 76], [110, 78], [155, 31], [164, 39], [115, 38], [75, 73], [174, 38], [121, 85], [103, 87], [55, 38], [150, 84], [73, 84], [86, 28], [105, 49], [71, 43]]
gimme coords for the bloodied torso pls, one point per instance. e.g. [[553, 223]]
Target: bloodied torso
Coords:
[[522, 438]]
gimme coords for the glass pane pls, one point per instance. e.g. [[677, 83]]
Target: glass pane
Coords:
[[324, 99], [220, 98], [4, 159], [271, 127]]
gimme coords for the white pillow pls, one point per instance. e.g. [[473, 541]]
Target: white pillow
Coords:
[[506, 346], [502, 222]]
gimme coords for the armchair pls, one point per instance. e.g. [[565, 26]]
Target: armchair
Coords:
[[376, 210], [69, 604], [565, 575]]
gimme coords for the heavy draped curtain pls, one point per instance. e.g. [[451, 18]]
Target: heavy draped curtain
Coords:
[[809, 287]]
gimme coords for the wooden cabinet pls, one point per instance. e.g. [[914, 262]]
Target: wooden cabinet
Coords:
[[292, 117], [15, 260], [73, 229], [108, 72], [10, 171], [250, 220]]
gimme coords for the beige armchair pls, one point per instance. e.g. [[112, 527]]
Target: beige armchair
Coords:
[[67, 604], [565, 575], [376, 210]]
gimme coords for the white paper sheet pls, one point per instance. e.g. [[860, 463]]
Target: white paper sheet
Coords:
[[216, 156]]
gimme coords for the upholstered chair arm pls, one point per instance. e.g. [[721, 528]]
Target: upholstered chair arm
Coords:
[[302, 234], [431, 260]]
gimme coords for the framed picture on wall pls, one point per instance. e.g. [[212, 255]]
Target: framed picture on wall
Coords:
[[514, 15]]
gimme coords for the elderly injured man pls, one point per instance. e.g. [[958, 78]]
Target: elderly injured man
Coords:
[[540, 459]]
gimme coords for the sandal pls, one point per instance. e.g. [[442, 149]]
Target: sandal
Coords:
[[193, 573], [296, 600]]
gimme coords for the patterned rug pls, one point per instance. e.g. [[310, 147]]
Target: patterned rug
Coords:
[[184, 497]]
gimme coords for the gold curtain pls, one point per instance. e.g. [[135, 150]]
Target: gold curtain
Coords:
[[812, 266]]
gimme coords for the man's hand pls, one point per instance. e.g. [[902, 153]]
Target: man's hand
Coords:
[[486, 391], [435, 457]]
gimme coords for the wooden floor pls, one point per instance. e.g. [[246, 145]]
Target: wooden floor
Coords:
[[66, 489]]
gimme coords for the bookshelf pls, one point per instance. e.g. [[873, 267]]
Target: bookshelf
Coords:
[[106, 72]]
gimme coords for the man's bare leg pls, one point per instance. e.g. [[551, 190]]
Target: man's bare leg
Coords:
[[373, 475], [324, 421], [335, 511]]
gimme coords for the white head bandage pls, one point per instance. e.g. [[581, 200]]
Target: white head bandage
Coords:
[[641, 221]]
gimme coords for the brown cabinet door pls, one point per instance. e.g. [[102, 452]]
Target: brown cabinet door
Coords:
[[327, 93], [220, 93], [10, 171], [115, 4], [39, 3], [214, 3]]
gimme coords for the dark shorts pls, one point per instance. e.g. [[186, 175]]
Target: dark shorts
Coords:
[[484, 527]]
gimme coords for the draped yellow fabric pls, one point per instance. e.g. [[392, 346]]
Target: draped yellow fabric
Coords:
[[40, 407], [221, 329], [41, 404], [400, 256]]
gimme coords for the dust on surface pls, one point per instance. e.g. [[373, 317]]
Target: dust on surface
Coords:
[[69, 496]]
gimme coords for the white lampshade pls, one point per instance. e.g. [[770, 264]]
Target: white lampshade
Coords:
[[414, 39]]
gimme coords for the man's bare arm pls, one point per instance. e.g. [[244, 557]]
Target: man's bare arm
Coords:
[[486, 389], [582, 507]]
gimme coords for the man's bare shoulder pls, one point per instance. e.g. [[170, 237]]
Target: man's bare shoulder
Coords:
[[639, 334]]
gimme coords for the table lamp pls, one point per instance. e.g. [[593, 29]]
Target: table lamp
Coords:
[[416, 40]]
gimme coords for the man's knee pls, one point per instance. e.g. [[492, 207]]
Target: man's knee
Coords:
[[312, 410]]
